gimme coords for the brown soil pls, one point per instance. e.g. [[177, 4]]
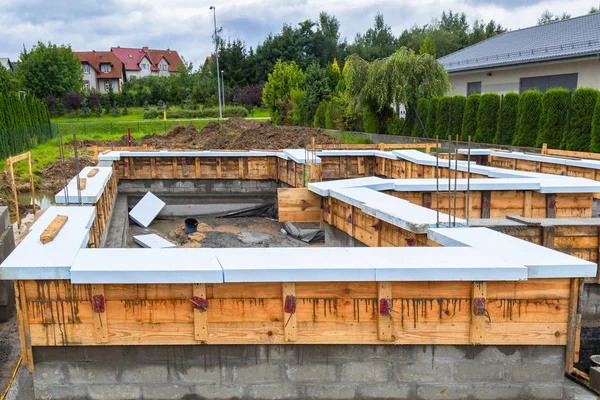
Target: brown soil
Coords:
[[54, 176], [7, 197], [233, 134], [186, 240]]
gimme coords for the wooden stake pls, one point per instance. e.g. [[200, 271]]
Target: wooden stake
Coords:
[[53, 229], [290, 326], [384, 322], [200, 317], [32, 183], [93, 172], [14, 189], [478, 322]]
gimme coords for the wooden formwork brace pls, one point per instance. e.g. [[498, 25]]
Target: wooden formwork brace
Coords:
[[9, 162]]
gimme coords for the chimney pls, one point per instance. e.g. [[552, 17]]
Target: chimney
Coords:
[[145, 49]]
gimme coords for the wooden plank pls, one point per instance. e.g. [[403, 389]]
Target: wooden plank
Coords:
[[298, 205], [53, 229], [219, 165], [528, 204], [290, 325], [200, 317], [153, 167], [486, 200], [23, 322], [572, 325], [174, 172], [384, 322], [100, 324], [20, 157], [551, 205], [82, 183], [93, 172], [131, 167], [197, 164], [15, 193], [479, 323], [361, 165], [548, 237]]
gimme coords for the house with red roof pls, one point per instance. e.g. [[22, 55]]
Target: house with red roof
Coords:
[[101, 69], [140, 62]]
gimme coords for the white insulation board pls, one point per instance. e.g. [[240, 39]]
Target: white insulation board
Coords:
[[153, 241], [92, 192], [146, 210]]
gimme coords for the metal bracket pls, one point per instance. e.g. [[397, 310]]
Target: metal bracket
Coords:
[[410, 241], [552, 203], [375, 226], [479, 308], [290, 304], [385, 306], [199, 303], [98, 303], [349, 219]]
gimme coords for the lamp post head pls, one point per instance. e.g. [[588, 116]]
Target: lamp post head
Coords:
[[212, 8]]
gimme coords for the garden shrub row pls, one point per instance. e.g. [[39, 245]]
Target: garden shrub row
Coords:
[[228, 111], [24, 123]]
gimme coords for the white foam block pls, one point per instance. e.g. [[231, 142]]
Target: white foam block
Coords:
[[540, 261], [131, 266], [370, 182], [93, 190], [146, 210], [324, 264], [153, 241], [80, 217], [301, 156], [428, 185]]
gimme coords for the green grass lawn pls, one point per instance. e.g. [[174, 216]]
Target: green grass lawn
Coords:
[[135, 113]]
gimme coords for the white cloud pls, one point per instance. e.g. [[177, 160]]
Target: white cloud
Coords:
[[187, 25]]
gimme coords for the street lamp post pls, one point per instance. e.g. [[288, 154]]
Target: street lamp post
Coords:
[[223, 87], [213, 8]]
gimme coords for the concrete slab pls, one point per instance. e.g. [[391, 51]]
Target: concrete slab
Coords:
[[146, 210], [153, 241]]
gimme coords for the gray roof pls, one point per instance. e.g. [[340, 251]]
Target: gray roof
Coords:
[[6, 63], [571, 38]]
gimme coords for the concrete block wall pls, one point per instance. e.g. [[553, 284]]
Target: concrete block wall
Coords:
[[7, 245], [299, 372], [202, 187]]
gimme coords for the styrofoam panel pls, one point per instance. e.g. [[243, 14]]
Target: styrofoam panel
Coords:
[[324, 264], [112, 156], [93, 191], [146, 210], [371, 182], [153, 241], [146, 266], [301, 156], [475, 152], [540, 261], [80, 217], [428, 185]]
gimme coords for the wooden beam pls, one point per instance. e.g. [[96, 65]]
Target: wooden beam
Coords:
[[528, 204], [23, 321], [290, 325], [219, 168], [384, 322], [486, 200], [93, 172], [132, 167], [479, 322], [14, 190], [298, 205], [15, 159], [548, 234], [100, 324], [197, 162], [153, 167], [82, 183], [53, 229], [174, 165], [550, 205], [572, 324], [200, 317], [31, 183]]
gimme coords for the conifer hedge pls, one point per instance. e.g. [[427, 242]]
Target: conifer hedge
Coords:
[[24, 123], [422, 110], [528, 118], [487, 118], [431, 124], [595, 142], [442, 117], [469, 123], [507, 121], [319, 120], [555, 112], [458, 111], [583, 103]]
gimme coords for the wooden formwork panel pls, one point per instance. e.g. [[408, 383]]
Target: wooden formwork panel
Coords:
[[298, 205], [58, 313]]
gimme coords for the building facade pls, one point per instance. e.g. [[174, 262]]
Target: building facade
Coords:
[[558, 54]]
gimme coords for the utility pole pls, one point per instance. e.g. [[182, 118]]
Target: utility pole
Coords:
[[213, 8], [223, 87]]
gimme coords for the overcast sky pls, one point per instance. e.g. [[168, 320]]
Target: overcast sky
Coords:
[[186, 25]]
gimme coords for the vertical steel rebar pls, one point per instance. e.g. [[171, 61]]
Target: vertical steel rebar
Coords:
[[449, 181], [455, 176], [468, 180], [76, 167], [437, 179]]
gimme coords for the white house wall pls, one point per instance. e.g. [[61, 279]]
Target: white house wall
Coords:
[[504, 80], [91, 77], [115, 85]]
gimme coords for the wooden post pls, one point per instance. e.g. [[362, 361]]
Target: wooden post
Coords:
[[548, 237], [290, 325], [486, 200], [100, 324], [478, 321], [14, 189], [528, 204], [31, 182], [23, 321], [551, 205], [574, 321], [197, 162], [384, 322], [544, 149], [153, 167], [200, 317]]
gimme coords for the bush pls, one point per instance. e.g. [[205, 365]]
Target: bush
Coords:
[[583, 103], [555, 110], [320, 118], [422, 111], [458, 111], [328, 117], [442, 117], [125, 111], [487, 118], [409, 122], [431, 123], [299, 111], [334, 116], [469, 123], [507, 122], [213, 112], [395, 126], [116, 111], [528, 118], [370, 120], [595, 141]]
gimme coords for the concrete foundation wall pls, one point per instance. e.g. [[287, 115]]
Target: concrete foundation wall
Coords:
[[203, 187], [334, 237], [7, 245], [299, 372]]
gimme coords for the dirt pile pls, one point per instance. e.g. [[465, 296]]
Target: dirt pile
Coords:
[[6, 194], [53, 176], [184, 239]]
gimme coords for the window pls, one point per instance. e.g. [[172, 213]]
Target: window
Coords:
[[107, 85], [144, 66], [86, 68], [164, 67], [105, 67], [544, 83], [473, 87]]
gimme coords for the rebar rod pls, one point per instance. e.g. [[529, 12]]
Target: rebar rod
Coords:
[[468, 180], [449, 181], [437, 179], [455, 176]]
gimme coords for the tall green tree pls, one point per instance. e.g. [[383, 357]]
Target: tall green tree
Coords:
[[376, 43], [529, 109], [431, 124], [555, 113], [507, 122], [50, 69], [457, 113], [583, 104], [442, 122], [595, 142], [547, 16], [277, 91], [317, 88], [421, 119], [427, 47], [8, 80], [487, 118], [469, 123]]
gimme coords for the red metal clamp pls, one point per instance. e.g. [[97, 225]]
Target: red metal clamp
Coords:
[[385, 307], [290, 304], [479, 306], [198, 303], [349, 219], [551, 203], [410, 241], [98, 303]]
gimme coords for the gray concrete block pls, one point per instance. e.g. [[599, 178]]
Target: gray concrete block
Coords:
[[474, 371], [165, 392], [114, 392], [552, 391], [311, 372], [219, 392], [61, 392], [527, 372], [441, 391], [56, 354], [197, 375], [423, 372], [7, 243], [499, 391], [390, 390], [143, 373], [83, 374], [331, 391], [549, 354], [366, 371], [4, 219], [50, 374], [273, 391], [248, 374], [428, 352]]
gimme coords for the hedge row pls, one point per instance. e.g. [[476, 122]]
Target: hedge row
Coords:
[[24, 123], [558, 118], [228, 111]]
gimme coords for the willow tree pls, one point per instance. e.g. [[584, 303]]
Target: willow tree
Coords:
[[401, 78]]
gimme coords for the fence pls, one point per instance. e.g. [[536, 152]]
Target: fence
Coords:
[[18, 140]]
